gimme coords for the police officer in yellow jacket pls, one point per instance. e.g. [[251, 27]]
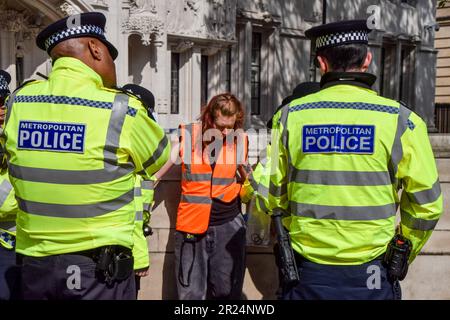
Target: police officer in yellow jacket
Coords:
[[339, 158], [74, 147], [9, 271]]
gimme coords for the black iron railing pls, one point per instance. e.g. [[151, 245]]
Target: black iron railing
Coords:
[[442, 117]]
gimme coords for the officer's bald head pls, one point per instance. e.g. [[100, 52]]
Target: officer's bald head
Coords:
[[90, 51]]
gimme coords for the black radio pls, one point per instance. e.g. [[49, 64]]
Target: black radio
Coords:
[[396, 257]]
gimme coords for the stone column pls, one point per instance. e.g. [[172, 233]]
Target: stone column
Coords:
[[8, 56], [160, 65], [247, 57], [195, 76]]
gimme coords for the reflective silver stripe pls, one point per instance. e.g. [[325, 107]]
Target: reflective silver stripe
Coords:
[[341, 178], [147, 206], [277, 191], [56, 176], [223, 181], [343, 212], [137, 192], [8, 225], [417, 223], [274, 190], [253, 182], [139, 216], [5, 189], [148, 185], [397, 149], [283, 120], [157, 154], [426, 196], [9, 106], [263, 190], [195, 199], [112, 170], [75, 211], [262, 205], [188, 176]]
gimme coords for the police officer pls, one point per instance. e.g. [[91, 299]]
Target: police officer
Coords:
[[74, 148], [9, 271], [340, 156]]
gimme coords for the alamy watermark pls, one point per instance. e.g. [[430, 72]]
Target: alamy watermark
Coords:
[[73, 281]]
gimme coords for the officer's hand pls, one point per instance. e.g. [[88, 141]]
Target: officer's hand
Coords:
[[2, 115], [142, 272]]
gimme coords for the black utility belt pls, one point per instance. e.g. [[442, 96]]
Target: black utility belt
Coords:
[[114, 263]]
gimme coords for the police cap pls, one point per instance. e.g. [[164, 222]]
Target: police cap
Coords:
[[88, 24], [5, 79], [339, 33]]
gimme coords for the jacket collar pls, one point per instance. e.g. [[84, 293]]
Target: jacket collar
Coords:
[[75, 69], [359, 79]]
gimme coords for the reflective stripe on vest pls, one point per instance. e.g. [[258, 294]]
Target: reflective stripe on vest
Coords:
[[200, 183], [345, 178], [75, 211], [5, 189], [111, 171]]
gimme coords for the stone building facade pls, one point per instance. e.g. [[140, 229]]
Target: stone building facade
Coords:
[[186, 51]]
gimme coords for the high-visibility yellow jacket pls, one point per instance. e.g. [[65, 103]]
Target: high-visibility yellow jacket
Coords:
[[74, 149], [143, 195], [257, 183], [339, 157], [8, 212]]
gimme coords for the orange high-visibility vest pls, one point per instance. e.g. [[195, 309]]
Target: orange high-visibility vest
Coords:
[[201, 183]]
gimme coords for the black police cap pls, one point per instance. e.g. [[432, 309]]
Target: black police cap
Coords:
[[146, 96], [339, 33], [5, 79], [88, 24]]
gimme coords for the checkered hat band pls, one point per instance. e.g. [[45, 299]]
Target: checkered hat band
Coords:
[[3, 83], [341, 38], [84, 30]]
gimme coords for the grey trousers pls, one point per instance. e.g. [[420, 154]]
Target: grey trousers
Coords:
[[212, 266]]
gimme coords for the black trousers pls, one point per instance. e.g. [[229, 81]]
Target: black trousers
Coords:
[[9, 275], [368, 281], [70, 277]]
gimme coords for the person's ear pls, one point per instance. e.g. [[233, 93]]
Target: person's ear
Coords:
[[367, 62], [323, 65], [95, 50]]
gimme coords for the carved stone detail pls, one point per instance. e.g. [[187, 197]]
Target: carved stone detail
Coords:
[[143, 20], [13, 21], [69, 9], [100, 3], [205, 19], [183, 46], [211, 50], [150, 29]]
